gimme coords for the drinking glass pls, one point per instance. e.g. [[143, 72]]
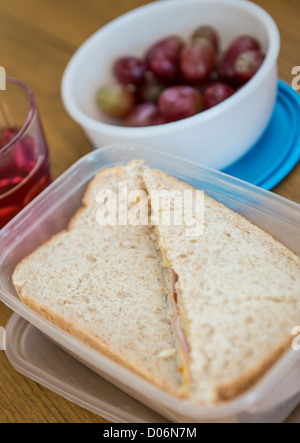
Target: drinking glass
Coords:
[[24, 158]]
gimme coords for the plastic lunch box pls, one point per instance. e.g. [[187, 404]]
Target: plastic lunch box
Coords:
[[278, 392]]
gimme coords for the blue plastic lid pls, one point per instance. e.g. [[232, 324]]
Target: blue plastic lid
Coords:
[[277, 152]]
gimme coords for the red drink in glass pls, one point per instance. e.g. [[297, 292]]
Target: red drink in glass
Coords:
[[24, 158]]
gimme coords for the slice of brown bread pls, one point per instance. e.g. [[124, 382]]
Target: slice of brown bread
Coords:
[[238, 295], [106, 286]]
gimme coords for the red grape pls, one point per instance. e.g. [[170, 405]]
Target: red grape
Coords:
[[151, 89], [180, 102], [145, 114], [130, 70], [227, 65], [116, 100], [209, 33], [247, 64], [176, 80], [164, 63], [173, 42], [158, 119], [198, 61], [215, 94]]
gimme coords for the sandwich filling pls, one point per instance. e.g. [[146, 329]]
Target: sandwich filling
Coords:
[[184, 346]]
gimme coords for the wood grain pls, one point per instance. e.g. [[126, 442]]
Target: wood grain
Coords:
[[37, 38]]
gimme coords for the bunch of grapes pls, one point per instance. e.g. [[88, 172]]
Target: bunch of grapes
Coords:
[[176, 79]]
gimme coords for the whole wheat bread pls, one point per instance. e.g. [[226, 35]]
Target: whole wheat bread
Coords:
[[106, 286], [238, 294]]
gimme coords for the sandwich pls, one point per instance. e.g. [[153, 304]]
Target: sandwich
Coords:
[[235, 295], [200, 313], [105, 285]]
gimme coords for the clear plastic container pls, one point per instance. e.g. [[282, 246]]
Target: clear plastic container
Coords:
[[277, 393]]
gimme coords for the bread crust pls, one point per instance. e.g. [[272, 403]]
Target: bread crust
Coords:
[[241, 385], [101, 346]]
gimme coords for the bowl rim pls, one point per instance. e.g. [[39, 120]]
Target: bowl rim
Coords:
[[96, 125]]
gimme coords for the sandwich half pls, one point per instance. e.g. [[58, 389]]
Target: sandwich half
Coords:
[[106, 286], [236, 296]]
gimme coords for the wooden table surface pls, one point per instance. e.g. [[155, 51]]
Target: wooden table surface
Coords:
[[37, 38]]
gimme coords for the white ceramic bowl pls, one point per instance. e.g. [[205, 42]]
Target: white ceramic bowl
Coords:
[[215, 138]]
